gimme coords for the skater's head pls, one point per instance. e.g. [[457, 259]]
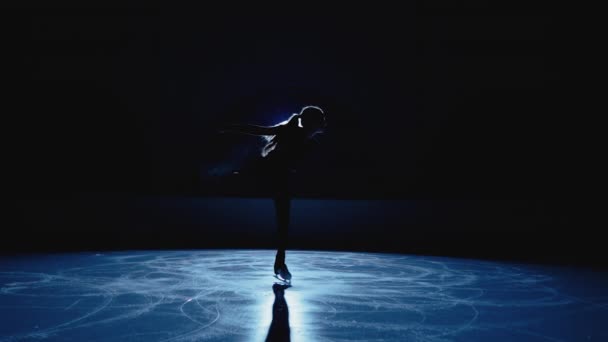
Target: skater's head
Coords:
[[312, 118]]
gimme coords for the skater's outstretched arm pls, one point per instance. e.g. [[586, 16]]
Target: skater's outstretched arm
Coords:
[[251, 129]]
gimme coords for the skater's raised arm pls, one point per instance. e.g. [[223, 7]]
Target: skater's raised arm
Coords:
[[250, 129]]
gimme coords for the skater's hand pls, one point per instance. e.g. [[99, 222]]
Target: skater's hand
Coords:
[[249, 129]]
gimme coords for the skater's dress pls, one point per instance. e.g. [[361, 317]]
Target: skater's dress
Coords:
[[282, 155]]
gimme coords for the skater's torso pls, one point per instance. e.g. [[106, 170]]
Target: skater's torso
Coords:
[[292, 144]]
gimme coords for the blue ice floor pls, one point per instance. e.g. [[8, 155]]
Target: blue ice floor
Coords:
[[228, 295]]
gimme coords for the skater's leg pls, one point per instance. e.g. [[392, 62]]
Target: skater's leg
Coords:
[[282, 204]]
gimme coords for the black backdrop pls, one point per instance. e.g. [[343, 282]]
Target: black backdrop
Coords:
[[459, 106]]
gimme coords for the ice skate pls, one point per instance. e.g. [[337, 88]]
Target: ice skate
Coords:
[[282, 273]]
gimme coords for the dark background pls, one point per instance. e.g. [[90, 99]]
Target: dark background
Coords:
[[454, 129]]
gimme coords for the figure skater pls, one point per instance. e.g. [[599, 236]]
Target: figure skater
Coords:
[[286, 144]]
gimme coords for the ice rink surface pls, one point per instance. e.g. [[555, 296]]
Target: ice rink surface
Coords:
[[228, 295]]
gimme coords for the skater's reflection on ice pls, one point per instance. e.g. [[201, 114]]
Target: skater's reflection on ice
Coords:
[[279, 328]]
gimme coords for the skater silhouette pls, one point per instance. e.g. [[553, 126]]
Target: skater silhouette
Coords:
[[286, 144]]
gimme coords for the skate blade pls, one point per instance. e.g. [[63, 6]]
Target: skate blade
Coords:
[[283, 281]]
